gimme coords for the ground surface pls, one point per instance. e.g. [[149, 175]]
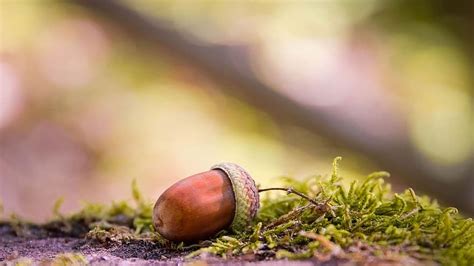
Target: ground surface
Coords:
[[42, 245], [361, 224]]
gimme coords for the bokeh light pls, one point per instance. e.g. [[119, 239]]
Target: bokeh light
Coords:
[[85, 106]]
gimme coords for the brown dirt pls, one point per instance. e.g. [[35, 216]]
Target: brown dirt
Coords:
[[41, 244]]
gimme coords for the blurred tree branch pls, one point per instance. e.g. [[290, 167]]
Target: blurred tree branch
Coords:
[[219, 62]]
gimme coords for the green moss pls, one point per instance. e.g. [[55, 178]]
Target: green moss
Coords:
[[68, 259], [359, 221], [61, 259], [106, 220], [106, 232], [364, 214], [22, 262]]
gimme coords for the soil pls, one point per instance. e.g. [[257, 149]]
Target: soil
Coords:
[[42, 245]]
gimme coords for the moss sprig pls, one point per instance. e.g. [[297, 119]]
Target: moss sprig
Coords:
[[364, 213], [326, 219]]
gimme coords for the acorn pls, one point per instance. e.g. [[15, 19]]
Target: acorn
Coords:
[[201, 205]]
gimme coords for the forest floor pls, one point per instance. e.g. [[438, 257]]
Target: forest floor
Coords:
[[363, 223], [45, 247]]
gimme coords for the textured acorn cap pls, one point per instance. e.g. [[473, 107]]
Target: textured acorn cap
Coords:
[[246, 195]]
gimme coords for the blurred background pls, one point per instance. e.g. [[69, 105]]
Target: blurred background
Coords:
[[96, 93]]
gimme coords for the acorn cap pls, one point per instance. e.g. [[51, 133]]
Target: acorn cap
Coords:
[[245, 192]]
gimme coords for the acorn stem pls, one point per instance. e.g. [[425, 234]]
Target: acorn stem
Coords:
[[291, 191]]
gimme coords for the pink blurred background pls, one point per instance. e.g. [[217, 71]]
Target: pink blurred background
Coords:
[[86, 106]]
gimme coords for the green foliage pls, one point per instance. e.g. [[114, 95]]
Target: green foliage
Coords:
[[61, 259], [68, 259], [110, 221], [106, 232], [359, 221], [364, 213], [57, 206]]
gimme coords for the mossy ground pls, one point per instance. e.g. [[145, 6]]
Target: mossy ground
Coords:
[[361, 222]]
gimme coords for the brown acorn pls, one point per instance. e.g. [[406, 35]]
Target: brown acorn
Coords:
[[201, 205]]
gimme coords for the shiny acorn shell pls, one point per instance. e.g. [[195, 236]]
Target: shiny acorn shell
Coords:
[[201, 205]]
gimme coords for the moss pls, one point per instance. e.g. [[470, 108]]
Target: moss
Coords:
[[363, 214], [119, 219], [22, 262], [361, 221], [68, 259], [61, 259]]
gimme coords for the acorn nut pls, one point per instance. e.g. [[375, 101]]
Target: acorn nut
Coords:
[[200, 206]]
